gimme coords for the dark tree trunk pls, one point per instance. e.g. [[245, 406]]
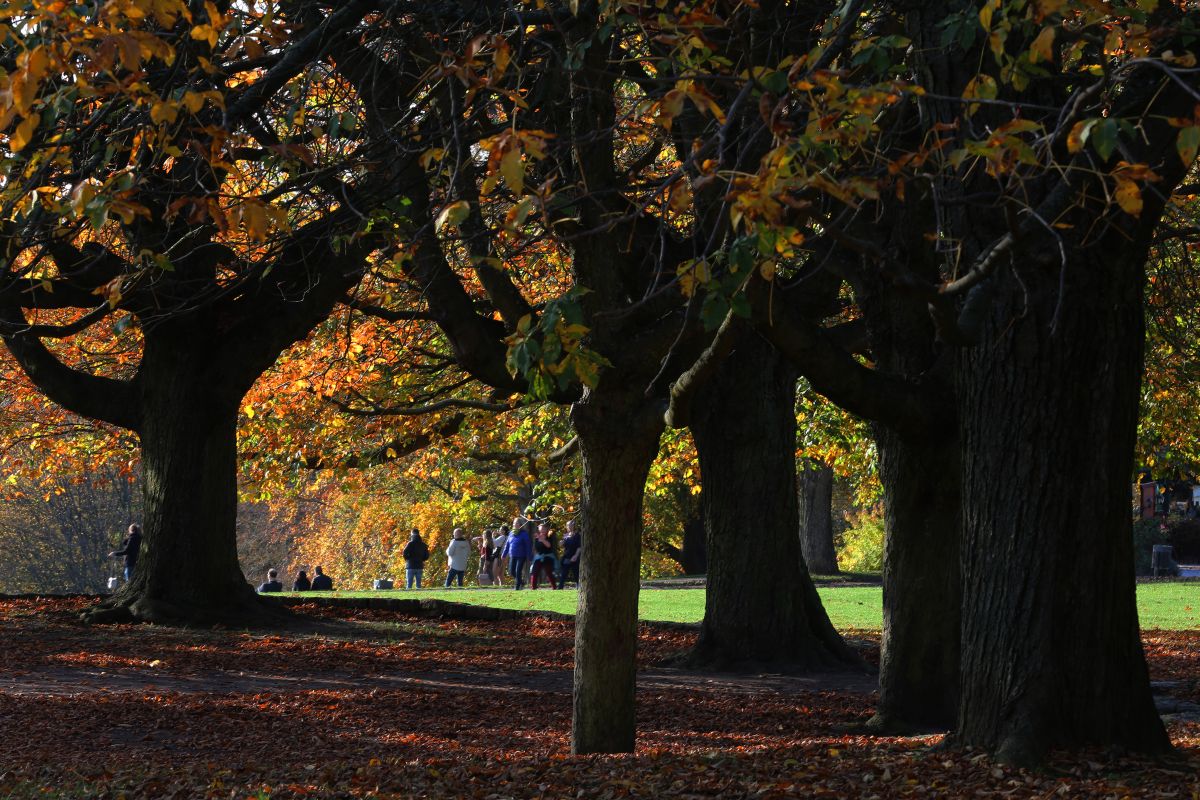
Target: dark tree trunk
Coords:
[[188, 572], [922, 591], [760, 603], [693, 556], [1052, 655], [815, 498], [618, 441]]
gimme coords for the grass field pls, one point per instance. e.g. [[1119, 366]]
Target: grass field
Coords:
[[1169, 606]]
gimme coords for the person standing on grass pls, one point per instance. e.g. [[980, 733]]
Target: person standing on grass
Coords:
[[570, 555], [458, 553], [131, 547], [545, 559], [500, 562], [416, 553], [321, 582], [301, 584], [271, 584], [518, 551], [487, 553]]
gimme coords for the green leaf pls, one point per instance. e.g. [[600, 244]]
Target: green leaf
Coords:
[[1104, 138], [1188, 143]]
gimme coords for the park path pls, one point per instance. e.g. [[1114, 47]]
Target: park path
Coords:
[[71, 681]]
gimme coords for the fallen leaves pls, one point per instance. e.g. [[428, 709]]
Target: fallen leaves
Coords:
[[368, 704]]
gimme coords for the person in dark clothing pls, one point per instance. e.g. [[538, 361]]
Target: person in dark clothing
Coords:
[[271, 584], [571, 552], [301, 584], [545, 560], [416, 553], [130, 549], [321, 582]]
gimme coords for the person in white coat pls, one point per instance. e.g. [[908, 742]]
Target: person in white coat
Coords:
[[458, 552]]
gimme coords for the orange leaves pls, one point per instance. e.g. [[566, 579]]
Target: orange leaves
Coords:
[[671, 105], [507, 154]]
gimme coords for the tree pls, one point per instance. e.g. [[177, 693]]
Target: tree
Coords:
[[160, 192]]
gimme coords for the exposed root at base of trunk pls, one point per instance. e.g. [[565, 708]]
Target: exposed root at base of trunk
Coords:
[[891, 725], [246, 610]]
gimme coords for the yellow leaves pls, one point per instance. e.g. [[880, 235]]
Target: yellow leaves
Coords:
[[24, 133], [986, 13], [452, 215], [671, 104], [205, 33], [982, 87], [164, 111], [1042, 48], [512, 168], [1129, 197], [693, 274], [111, 292]]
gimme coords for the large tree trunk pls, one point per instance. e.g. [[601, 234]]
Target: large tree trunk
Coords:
[[188, 572], [618, 440], [922, 591], [1049, 406], [760, 603], [814, 482]]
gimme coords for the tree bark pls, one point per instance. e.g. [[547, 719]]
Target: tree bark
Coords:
[[1052, 655], [188, 572], [922, 587], [815, 486], [760, 603], [618, 441]]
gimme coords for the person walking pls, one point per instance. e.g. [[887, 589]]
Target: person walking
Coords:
[[487, 558], [570, 555], [321, 582], [416, 553], [130, 549], [500, 563], [518, 549], [301, 584], [458, 553], [545, 559]]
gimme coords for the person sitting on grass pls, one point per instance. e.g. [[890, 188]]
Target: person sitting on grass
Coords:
[[321, 582], [416, 553], [458, 552], [301, 584], [271, 584], [545, 560]]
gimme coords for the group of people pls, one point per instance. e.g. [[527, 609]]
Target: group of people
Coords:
[[320, 582], [527, 550]]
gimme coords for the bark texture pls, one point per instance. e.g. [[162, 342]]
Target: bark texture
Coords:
[[814, 482], [1052, 655], [188, 572], [760, 603], [618, 440], [922, 587]]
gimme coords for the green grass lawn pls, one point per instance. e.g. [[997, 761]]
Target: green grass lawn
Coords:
[[1171, 606]]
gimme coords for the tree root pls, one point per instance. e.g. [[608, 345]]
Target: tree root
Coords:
[[246, 610]]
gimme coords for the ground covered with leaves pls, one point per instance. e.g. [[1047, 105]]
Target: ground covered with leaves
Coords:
[[365, 703]]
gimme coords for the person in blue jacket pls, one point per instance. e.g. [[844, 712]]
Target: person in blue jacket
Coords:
[[519, 549]]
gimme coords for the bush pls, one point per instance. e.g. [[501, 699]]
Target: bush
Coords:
[[1146, 534], [861, 545], [1184, 536]]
